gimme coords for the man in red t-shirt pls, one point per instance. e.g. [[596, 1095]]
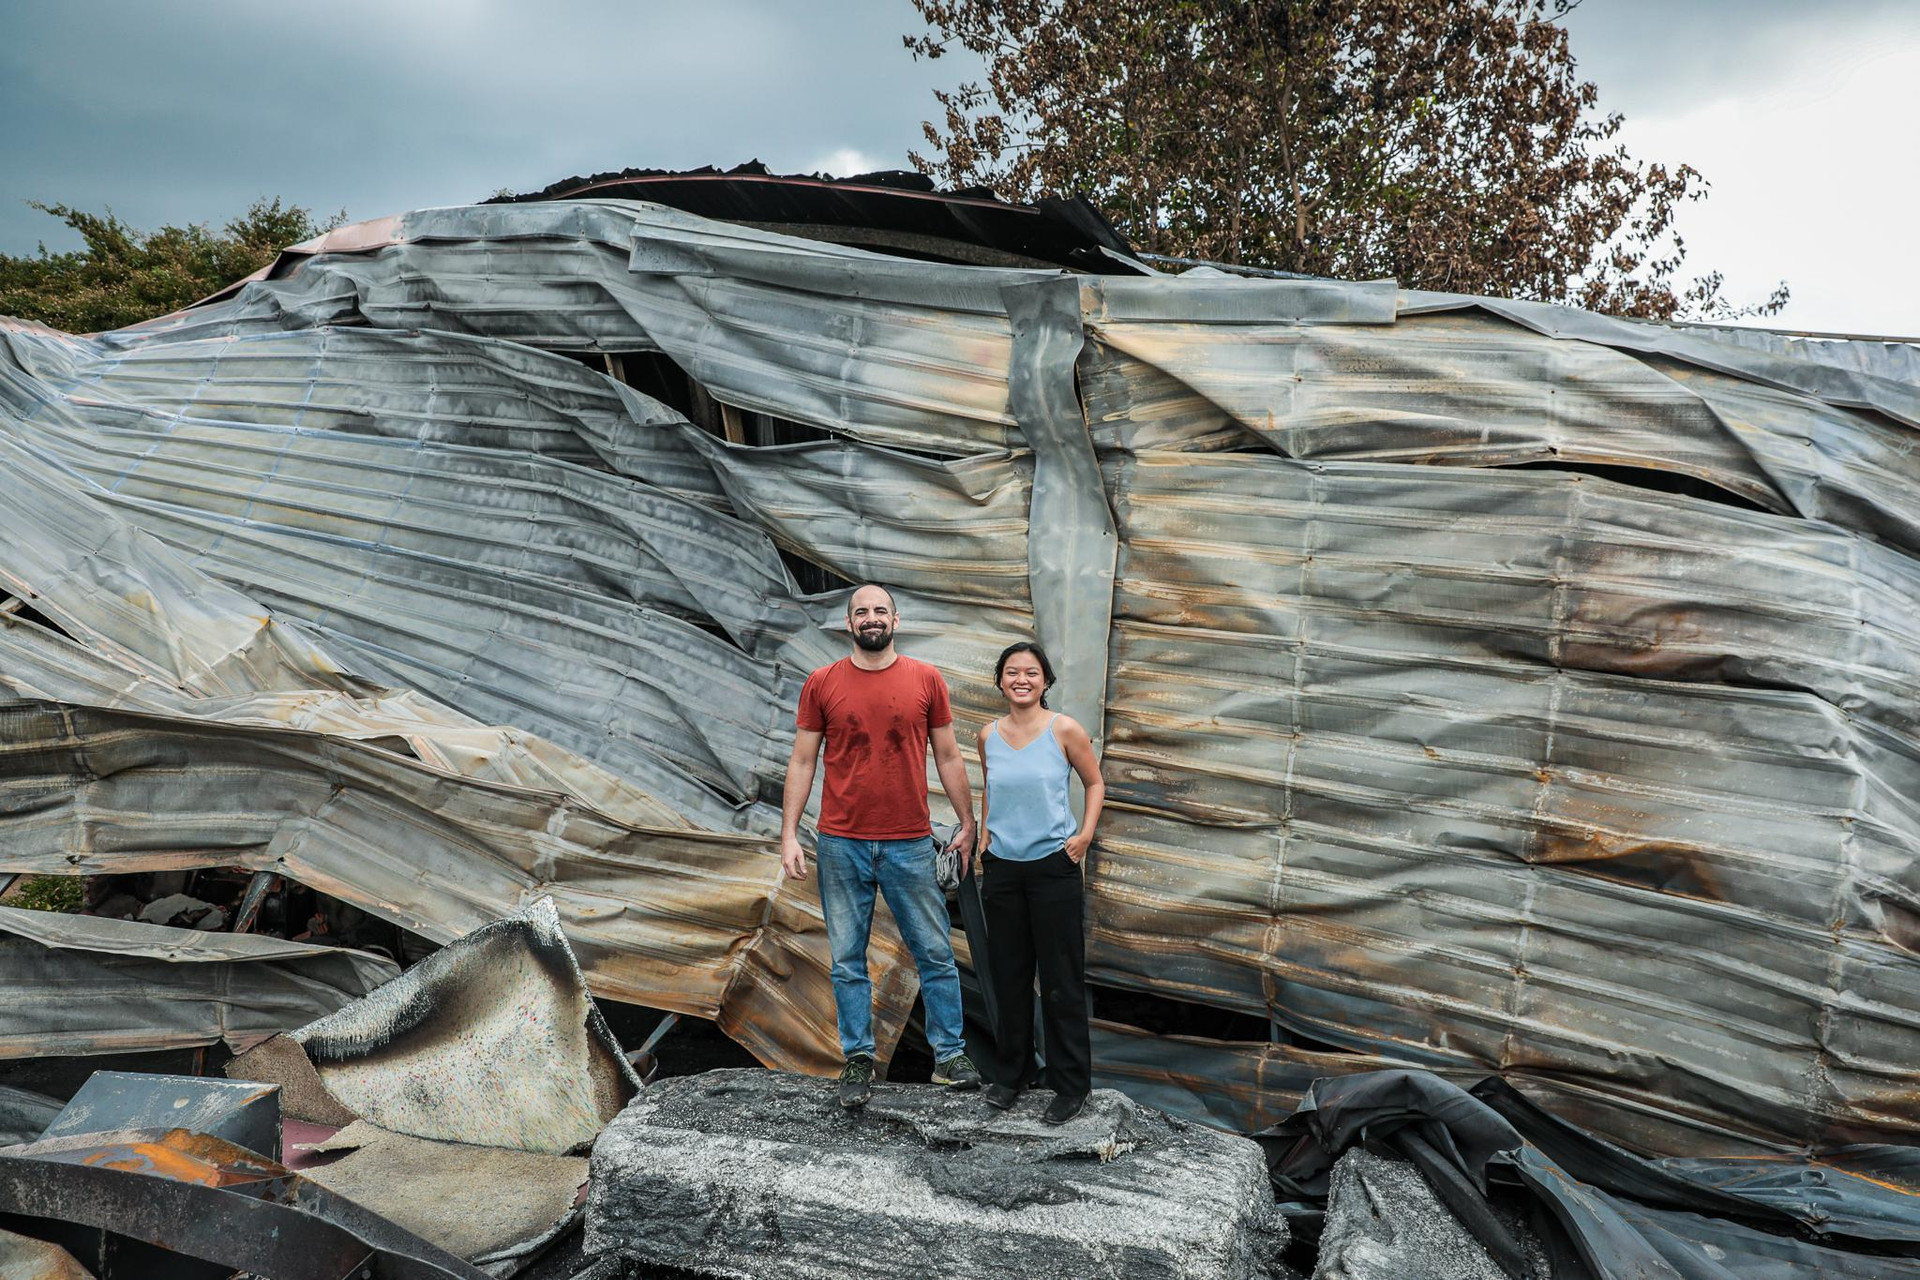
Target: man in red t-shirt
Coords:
[[876, 711]]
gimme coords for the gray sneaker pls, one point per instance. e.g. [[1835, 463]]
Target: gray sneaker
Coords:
[[856, 1081], [957, 1072]]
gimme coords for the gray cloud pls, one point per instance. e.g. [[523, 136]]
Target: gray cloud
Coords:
[[173, 111]]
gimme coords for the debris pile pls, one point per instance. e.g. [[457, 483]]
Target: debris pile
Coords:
[[441, 1125], [763, 1175], [1483, 688], [443, 1104]]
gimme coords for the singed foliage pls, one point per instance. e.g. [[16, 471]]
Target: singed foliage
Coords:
[[1450, 146]]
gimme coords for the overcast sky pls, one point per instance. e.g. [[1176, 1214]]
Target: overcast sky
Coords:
[[1800, 114]]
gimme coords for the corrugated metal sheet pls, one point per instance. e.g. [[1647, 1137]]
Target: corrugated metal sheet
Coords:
[[83, 986], [1486, 686]]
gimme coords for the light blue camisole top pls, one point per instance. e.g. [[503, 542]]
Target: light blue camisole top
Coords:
[[1029, 814]]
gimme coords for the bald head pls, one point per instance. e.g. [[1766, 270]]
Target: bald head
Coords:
[[869, 593]]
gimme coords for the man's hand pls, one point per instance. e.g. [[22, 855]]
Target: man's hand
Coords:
[[793, 857], [963, 841]]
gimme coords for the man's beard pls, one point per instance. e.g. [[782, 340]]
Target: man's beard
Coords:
[[873, 641]]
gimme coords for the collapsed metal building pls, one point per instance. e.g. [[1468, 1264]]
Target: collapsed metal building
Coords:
[[1484, 686]]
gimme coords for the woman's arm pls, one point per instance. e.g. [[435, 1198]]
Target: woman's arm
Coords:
[[980, 743], [1079, 751]]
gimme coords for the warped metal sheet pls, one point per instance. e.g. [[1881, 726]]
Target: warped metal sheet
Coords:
[[491, 1041], [1433, 838], [176, 724], [80, 986], [1487, 686]]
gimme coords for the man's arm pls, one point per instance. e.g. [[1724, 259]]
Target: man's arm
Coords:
[[802, 761], [953, 780]]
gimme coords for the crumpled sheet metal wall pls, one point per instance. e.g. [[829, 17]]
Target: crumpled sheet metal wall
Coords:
[[82, 986], [177, 724], [1420, 756]]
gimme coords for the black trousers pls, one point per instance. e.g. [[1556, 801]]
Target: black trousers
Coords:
[[1035, 924]]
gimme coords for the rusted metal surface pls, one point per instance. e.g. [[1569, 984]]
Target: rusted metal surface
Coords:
[[1486, 686], [205, 1198], [242, 1112]]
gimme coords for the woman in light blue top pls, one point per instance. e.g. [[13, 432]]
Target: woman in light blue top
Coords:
[[1031, 887]]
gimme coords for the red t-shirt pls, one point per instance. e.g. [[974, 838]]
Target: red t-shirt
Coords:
[[876, 725]]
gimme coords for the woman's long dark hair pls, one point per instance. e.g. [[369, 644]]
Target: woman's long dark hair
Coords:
[[1025, 646]]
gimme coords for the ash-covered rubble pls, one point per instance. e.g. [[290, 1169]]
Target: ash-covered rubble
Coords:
[[435, 1121], [1383, 1222], [762, 1175], [475, 1116]]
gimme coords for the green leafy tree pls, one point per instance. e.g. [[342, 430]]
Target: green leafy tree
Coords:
[[124, 276], [1449, 145]]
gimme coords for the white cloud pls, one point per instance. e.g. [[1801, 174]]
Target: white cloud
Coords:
[[1813, 181], [845, 163]]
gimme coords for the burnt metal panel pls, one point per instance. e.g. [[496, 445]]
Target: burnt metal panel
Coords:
[[203, 1200], [1070, 543], [1486, 686], [237, 1111], [77, 985]]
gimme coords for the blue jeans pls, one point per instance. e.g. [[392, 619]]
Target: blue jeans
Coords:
[[850, 872]]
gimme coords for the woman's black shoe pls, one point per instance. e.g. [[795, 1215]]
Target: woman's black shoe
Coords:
[[1063, 1108], [1002, 1096]]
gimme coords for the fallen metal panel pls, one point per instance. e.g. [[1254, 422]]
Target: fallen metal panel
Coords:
[[77, 985], [491, 1041], [209, 1199], [241, 1112]]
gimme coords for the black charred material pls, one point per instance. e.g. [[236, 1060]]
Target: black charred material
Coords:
[[1600, 1211], [891, 211]]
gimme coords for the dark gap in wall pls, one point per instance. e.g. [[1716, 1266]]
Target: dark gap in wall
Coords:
[[1650, 478], [60, 1077], [655, 373], [1166, 1016], [708, 625], [692, 1046], [812, 579], [15, 609], [763, 429]]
